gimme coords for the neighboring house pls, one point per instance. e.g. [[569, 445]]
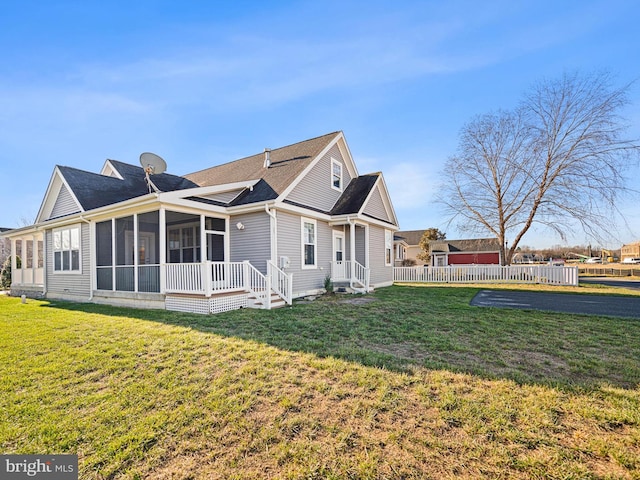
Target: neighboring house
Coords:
[[407, 246], [477, 251], [630, 250], [255, 232], [400, 248]]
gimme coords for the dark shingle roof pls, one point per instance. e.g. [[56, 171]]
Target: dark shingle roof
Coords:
[[94, 190], [412, 237], [287, 163], [466, 245], [353, 197]]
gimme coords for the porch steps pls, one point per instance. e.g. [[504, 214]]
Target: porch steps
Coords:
[[347, 287], [276, 301]]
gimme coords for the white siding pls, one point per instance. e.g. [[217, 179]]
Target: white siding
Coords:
[[380, 273], [252, 243], [70, 285], [314, 189], [290, 245], [65, 204], [361, 246], [224, 197], [375, 206]]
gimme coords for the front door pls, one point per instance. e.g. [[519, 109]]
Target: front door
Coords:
[[339, 271]]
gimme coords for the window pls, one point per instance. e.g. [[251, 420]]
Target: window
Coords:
[[66, 249], [388, 246], [309, 243], [184, 244], [336, 175]]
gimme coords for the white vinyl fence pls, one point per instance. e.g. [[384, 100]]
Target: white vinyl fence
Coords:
[[545, 274]]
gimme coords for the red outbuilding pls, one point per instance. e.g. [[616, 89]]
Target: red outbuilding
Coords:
[[476, 251]]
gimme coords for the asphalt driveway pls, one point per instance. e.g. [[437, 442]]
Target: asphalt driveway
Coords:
[[612, 282], [604, 305]]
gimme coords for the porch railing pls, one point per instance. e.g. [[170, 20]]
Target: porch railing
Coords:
[[204, 278], [28, 276], [351, 271], [224, 277], [257, 285], [543, 274], [184, 277], [281, 282]]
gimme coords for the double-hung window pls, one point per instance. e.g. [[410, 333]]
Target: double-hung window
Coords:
[[388, 246], [336, 175], [66, 249], [309, 243]]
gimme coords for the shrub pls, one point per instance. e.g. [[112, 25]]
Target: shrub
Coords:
[[328, 284], [5, 273]]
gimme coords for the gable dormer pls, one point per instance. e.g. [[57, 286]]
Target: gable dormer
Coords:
[[110, 170]]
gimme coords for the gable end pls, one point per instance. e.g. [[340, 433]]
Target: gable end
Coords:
[[65, 204]]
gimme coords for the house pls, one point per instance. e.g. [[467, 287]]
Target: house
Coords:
[[630, 250], [476, 251], [255, 232], [407, 247]]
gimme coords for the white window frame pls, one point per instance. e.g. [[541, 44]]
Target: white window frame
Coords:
[[303, 242], [388, 248], [54, 250], [333, 175]]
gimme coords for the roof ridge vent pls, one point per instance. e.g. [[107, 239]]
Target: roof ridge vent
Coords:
[[267, 157]]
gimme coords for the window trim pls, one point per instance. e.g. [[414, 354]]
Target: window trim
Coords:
[[61, 271], [339, 164], [388, 248], [303, 244]]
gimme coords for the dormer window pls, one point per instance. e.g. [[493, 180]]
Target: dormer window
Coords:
[[336, 175]]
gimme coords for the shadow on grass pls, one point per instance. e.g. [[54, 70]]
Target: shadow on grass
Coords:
[[401, 328]]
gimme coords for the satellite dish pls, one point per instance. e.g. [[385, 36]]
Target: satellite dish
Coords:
[[153, 165]]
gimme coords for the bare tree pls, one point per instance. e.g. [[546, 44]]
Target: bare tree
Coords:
[[556, 161]]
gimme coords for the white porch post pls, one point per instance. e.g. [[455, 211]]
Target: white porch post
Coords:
[[206, 272], [366, 246], [163, 248], [43, 235], [113, 255], [34, 260], [93, 260], [136, 259], [352, 245], [13, 257]]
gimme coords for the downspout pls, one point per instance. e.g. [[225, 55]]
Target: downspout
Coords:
[[274, 234], [273, 224]]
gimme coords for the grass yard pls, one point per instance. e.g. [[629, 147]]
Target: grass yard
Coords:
[[406, 383]]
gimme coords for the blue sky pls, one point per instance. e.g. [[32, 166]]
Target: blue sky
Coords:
[[205, 82]]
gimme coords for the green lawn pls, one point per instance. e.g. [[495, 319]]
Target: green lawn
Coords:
[[409, 382]]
